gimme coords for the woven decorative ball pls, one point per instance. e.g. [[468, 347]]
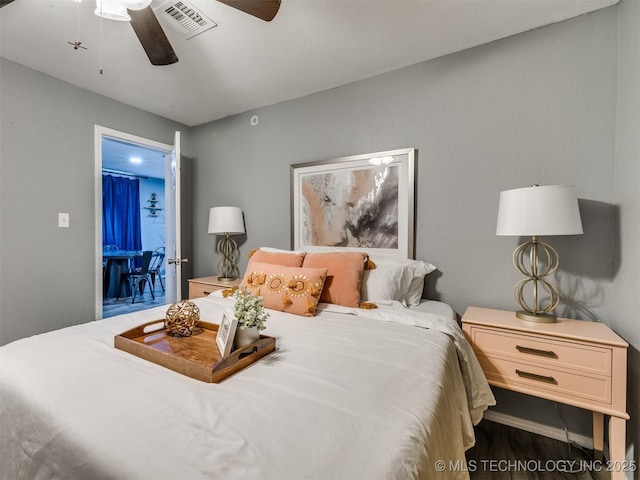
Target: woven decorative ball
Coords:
[[182, 319]]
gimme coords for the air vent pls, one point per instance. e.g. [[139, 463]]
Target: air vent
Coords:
[[184, 18]]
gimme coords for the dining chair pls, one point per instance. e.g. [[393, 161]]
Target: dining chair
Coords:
[[138, 277], [157, 262]]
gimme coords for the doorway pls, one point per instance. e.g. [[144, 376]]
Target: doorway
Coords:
[[124, 158]]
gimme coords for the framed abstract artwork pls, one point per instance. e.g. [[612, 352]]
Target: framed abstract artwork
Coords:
[[355, 203]]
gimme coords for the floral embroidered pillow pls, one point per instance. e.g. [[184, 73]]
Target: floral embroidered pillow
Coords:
[[287, 289]]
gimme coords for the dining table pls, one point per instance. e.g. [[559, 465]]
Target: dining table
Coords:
[[116, 263]]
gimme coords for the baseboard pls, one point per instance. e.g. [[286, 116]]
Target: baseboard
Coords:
[[538, 428]]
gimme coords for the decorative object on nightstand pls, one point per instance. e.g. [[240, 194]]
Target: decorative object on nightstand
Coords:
[[538, 211], [574, 362], [182, 319], [227, 221]]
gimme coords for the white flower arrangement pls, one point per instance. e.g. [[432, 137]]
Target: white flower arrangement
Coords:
[[249, 311]]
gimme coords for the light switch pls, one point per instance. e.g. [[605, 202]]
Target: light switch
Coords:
[[63, 220]]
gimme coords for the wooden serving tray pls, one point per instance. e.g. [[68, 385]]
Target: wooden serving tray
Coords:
[[196, 356]]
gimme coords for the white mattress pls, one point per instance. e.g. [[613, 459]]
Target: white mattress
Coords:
[[349, 394]]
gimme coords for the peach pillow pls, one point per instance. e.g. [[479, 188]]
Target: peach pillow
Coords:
[[293, 259], [344, 276], [287, 289]]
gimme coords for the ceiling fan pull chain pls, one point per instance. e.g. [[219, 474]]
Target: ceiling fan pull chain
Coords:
[[78, 23], [100, 48], [77, 44]]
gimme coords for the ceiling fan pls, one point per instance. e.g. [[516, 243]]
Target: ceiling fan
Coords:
[[150, 34]]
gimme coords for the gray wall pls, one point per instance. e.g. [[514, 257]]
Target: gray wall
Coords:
[[539, 107], [47, 166], [534, 108], [625, 318]]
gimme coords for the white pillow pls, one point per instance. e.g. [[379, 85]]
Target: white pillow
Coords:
[[394, 278]]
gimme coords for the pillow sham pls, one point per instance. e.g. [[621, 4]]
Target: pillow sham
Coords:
[[399, 279], [344, 275], [287, 289], [287, 259]]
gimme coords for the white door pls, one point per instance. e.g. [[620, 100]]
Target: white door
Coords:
[[173, 270], [172, 192]]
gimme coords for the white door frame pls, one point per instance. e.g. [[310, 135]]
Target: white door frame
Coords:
[[101, 132]]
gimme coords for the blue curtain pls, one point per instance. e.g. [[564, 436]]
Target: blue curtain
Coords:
[[121, 212]]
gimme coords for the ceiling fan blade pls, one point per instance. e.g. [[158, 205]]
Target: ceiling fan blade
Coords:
[[4, 3], [152, 37], [263, 9]]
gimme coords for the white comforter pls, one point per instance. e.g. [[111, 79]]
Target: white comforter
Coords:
[[349, 394]]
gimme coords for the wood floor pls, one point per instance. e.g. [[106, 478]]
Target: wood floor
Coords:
[[506, 453], [112, 307]]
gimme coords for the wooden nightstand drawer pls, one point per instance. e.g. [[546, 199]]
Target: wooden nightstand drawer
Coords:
[[201, 287], [197, 290], [542, 381], [539, 350]]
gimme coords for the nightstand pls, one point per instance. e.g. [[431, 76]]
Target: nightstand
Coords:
[[575, 362], [201, 287]]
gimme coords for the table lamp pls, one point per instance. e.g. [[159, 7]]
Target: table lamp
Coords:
[[538, 211], [227, 221]]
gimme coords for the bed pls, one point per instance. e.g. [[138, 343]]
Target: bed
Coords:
[[350, 393]]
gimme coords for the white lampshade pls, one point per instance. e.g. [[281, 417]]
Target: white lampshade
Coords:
[[539, 211], [135, 4], [226, 220], [112, 10]]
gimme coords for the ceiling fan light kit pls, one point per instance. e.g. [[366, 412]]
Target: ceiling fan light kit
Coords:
[[136, 4], [112, 10]]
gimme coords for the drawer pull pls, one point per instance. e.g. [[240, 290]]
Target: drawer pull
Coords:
[[535, 351], [206, 293], [535, 376]]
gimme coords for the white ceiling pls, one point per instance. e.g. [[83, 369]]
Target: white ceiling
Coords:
[[246, 63], [132, 159]]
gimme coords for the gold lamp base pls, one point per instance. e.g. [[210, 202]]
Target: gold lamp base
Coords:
[[228, 266], [535, 317], [228, 280], [534, 275]]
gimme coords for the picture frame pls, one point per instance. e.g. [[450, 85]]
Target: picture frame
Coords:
[[360, 202], [226, 333]]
